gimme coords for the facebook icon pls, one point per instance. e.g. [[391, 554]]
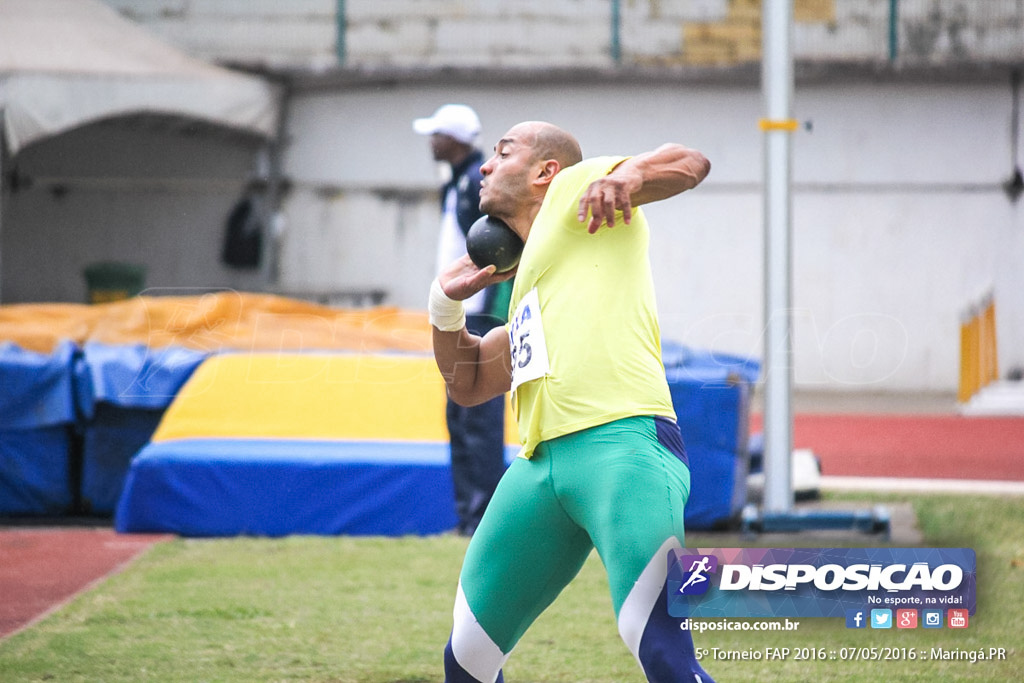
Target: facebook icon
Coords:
[[856, 618]]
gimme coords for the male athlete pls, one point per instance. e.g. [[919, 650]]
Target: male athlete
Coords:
[[602, 464]]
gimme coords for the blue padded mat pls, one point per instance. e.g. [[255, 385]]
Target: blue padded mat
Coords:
[[37, 413], [208, 487]]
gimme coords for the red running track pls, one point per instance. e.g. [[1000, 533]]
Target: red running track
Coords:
[[912, 446], [41, 569]]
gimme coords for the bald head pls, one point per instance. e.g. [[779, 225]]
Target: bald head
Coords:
[[548, 141]]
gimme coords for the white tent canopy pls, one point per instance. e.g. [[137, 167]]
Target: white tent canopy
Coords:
[[66, 63]]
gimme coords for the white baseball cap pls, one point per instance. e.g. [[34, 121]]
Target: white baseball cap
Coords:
[[456, 120]]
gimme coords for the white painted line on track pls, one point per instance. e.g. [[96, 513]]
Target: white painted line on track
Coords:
[[967, 486]]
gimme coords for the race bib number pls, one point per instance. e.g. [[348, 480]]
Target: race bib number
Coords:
[[526, 339]]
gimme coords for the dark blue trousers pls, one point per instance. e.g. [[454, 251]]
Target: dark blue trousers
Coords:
[[477, 438]]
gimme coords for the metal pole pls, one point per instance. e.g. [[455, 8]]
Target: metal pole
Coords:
[[341, 28], [778, 126], [275, 213], [894, 16], [616, 38]]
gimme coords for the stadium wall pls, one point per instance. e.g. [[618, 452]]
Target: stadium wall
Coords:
[[900, 217]]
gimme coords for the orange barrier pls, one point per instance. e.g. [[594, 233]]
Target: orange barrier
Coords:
[[979, 356], [219, 321]]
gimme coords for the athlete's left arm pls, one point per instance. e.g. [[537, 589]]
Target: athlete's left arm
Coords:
[[649, 177]]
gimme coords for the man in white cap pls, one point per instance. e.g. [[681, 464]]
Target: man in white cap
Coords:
[[477, 434]]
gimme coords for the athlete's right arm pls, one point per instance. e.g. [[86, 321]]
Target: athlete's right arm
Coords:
[[475, 369]]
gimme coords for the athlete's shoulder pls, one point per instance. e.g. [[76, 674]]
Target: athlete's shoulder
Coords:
[[575, 178], [593, 166]]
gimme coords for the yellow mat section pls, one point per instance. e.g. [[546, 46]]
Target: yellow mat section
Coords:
[[354, 397]]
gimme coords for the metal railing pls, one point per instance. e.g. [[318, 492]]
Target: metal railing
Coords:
[[370, 33]]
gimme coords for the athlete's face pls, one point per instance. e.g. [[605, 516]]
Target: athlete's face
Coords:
[[507, 174]]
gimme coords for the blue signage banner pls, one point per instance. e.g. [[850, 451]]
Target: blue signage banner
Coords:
[[818, 582]]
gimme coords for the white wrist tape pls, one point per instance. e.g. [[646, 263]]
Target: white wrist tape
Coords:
[[446, 314]]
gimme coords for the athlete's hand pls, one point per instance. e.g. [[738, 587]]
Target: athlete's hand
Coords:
[[604, 197], [462, 278]]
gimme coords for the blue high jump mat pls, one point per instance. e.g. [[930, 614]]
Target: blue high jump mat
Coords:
[[278, 444], [37, 418], [307, 443], [123, 391]]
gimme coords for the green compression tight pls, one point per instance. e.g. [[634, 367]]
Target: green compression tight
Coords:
[[615, 487]]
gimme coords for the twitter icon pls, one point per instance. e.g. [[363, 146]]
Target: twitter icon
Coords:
[[881, 618]]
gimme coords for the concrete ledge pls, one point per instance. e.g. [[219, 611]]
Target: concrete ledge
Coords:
[[806, 72]]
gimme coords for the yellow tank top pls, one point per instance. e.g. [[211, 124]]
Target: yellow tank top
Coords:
[[583, 320]]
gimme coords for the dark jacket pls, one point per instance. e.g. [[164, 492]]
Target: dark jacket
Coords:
[[466, 179]]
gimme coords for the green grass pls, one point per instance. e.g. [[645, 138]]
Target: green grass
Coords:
[[375, 610]]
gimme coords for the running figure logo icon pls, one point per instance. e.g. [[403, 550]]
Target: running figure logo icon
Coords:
[[696, 578]]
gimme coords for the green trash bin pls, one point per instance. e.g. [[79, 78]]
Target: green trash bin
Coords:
[[113, 281]]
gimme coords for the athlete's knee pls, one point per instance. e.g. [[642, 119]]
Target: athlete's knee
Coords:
[[471, 655]]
